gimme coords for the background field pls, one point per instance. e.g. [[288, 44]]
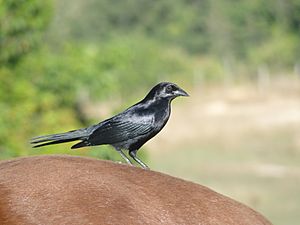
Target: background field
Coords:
[[71, 63], [240, 142]]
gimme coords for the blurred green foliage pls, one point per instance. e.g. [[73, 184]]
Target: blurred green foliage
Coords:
[[21, 24], [50, 51], [219, 27]]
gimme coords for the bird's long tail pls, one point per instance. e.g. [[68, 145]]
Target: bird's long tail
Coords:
[[51, 139]]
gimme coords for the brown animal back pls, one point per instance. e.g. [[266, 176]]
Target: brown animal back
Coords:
[[76, 190]]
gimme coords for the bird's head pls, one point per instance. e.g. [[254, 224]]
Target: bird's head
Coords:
[[166, 90]]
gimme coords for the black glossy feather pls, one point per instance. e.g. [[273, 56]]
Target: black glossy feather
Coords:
[[60, 138], [120, 129]]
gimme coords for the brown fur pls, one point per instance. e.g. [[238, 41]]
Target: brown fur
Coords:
[[75, 190]]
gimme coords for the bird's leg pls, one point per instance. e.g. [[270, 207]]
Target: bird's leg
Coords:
[[133, 155], [123, 156]]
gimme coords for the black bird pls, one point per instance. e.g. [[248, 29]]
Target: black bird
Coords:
[[128, 130]]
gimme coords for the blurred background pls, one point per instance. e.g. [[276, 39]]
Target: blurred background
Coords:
[[68, 64]]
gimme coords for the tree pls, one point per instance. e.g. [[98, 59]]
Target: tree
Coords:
[[22, 23]]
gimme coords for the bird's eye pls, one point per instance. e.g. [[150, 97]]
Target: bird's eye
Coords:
[[169, 88]]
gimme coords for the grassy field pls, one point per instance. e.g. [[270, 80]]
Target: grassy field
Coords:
[[242, 142]]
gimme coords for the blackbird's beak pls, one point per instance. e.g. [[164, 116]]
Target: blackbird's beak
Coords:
[[181, 92]]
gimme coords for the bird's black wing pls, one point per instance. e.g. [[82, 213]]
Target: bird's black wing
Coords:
[[122, 128]]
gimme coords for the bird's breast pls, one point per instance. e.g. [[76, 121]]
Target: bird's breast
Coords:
[[161, 118]]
